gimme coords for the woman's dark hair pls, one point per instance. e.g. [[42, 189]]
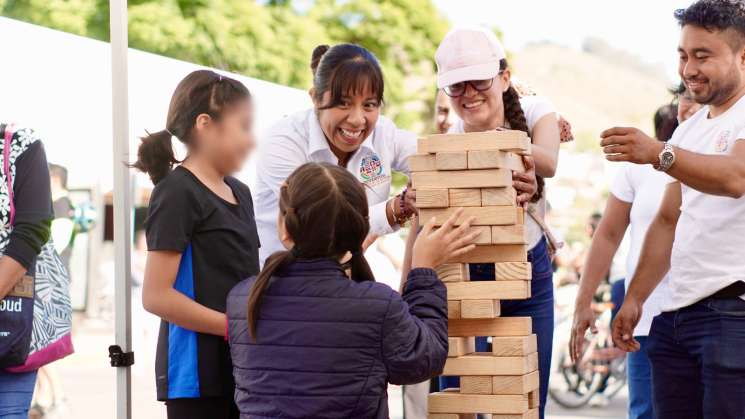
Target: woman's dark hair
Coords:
[[514, 115], [665, 122], [326, 214], [201, 92], [345, 70]]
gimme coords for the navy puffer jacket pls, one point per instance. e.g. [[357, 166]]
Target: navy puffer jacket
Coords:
[[327, 346]]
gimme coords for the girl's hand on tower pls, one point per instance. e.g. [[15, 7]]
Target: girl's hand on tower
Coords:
[[435, 246], [525, 182]]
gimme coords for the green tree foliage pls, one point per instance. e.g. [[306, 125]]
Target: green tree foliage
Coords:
[[271, 40]]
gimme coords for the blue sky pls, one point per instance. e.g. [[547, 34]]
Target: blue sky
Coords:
[[645, 28]]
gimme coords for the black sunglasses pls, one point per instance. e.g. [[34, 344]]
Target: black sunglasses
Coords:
[[458, 89]]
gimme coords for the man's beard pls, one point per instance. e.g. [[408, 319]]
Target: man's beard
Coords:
[[722, 93]]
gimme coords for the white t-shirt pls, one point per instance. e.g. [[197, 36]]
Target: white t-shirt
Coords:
[[642, 187], [299, 139], [534, 108], [710, 236]]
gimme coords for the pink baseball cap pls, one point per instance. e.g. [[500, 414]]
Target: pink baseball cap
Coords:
[[468, 54]]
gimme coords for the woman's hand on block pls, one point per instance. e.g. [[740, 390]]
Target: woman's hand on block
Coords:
[[525, 182], [433, 247]]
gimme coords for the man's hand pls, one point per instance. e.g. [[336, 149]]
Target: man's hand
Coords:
[[631, 145], [584, 318], [623, 326]]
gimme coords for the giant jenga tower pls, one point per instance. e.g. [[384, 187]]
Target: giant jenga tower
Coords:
[[473, 172]]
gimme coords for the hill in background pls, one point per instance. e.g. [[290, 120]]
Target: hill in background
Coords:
[[595, 89]]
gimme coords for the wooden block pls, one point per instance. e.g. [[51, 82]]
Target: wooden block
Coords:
[[508, 140], [534, 399], [513, 345], [422, 163], [479, 309], [484, 237], [500, 326], [488, 364], [488, 290], [514, 234], [499, 196], [488, 178], [464, 198], [485, 216], [513, 270], [451, 160], [454, 309], [451, 416], [459, 346], [495, 159], [520, 216], [452, 272], [432, 198], [516, 384], [494, 253], [475, 384], [530, 414], [445, 402]]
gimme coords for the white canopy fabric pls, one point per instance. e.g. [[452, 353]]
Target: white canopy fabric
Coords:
[[60, 85]]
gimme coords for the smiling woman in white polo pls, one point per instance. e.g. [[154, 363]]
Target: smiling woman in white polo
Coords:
[[344, 127]]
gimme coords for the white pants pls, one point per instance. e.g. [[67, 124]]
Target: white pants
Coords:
[[415, 400]]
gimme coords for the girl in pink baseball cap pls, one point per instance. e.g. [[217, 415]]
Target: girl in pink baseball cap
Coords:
[[472, 69]]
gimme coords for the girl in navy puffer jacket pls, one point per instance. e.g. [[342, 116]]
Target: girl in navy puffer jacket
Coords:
[[308, 342]]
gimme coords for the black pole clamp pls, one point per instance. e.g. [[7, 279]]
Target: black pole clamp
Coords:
[[120, 358]]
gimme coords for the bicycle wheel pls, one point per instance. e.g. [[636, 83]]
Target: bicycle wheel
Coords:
[[616, 378], [572, 387]]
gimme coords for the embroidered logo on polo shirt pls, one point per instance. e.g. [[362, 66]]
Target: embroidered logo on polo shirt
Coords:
[[371, 170], [722, 141]]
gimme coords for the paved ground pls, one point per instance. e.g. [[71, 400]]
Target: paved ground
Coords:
[[89, 384]]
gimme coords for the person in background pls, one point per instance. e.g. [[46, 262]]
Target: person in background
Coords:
[[684, 102], [635, 196], [306, 339], [201, 239], [695, 240], [472, 69], [444, 115], [63, 225], [20, 245]]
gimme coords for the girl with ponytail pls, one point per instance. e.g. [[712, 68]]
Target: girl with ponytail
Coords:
[[307, 340], [472, 69], [201, 238]]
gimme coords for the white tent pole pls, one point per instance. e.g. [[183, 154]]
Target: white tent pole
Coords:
[[122, 201]]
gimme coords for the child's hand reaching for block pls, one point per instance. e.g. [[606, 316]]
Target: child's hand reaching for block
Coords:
[[433, 247]]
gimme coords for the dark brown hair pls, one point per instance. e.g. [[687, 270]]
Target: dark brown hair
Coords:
[[201, 92], [514, 115], [345, 70], [326, 214]]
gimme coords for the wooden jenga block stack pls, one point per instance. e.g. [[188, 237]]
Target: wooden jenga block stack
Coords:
[[474, 172]]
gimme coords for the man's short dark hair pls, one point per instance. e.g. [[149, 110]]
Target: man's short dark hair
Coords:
[[717, 15]]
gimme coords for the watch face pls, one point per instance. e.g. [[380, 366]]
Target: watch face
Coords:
[[666, 159]]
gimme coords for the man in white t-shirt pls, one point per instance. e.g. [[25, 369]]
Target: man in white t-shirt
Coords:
[[696, 344], [635, 196]]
